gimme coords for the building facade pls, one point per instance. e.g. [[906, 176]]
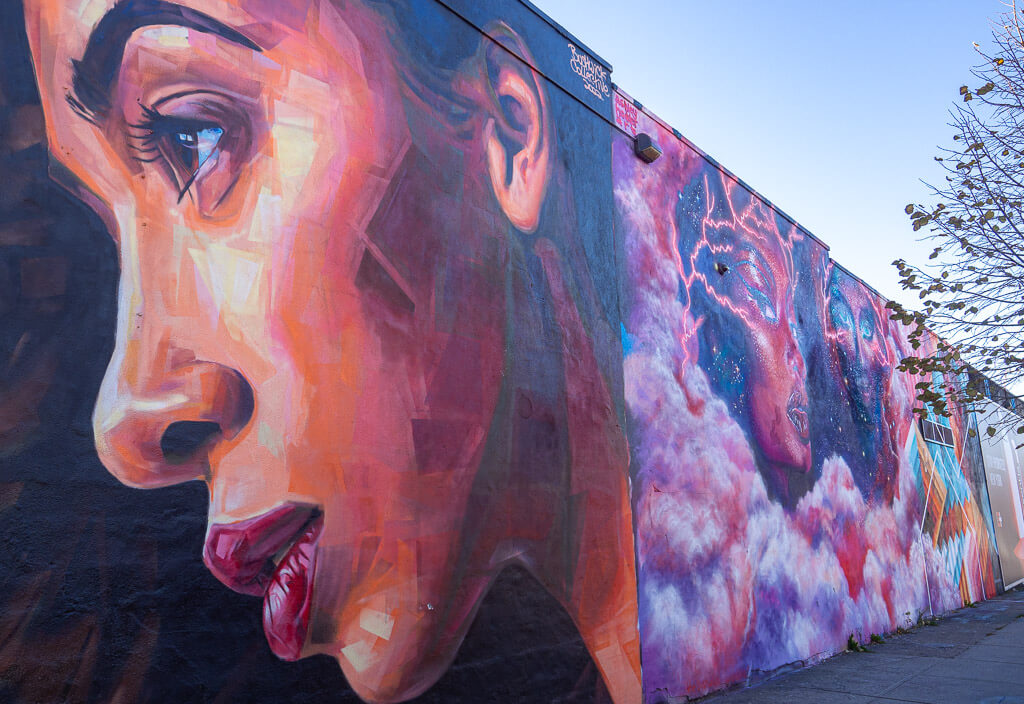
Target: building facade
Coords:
[[441, 389]]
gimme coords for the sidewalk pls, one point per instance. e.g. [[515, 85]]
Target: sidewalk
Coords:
[[975, 655]]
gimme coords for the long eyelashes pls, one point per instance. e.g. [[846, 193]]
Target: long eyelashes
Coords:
[[185, 144], [144, 136]]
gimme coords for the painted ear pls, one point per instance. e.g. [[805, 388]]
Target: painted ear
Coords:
[[517, 136]]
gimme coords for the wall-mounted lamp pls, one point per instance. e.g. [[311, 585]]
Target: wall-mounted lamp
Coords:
[[646, 148]]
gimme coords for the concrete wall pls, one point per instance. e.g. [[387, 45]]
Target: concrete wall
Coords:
[[441, 393]]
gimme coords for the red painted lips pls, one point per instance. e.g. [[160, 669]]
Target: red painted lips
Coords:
[[797, 412], [242, 556]]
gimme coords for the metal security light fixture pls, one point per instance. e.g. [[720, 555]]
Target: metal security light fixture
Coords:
[[646, 148]]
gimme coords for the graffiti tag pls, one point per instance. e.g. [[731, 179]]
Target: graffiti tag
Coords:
[[595, 78], [626, 115]]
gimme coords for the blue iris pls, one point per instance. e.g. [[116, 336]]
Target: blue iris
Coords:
[[196, 146]]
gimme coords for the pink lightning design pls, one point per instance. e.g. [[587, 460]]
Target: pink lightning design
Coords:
[[753, 223]]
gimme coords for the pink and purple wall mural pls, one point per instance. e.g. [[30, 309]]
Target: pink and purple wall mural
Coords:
[[350, 353], [784, 496]]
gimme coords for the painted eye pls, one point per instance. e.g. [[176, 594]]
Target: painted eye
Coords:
[[752, 275], [759, 289], [192, 147], [200, 142], [767, 309], [867, 326], [840, 313]]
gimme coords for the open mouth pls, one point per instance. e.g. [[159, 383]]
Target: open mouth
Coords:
[[272, 555]]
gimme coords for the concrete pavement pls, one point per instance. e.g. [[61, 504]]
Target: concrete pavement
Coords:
[[973, 656]]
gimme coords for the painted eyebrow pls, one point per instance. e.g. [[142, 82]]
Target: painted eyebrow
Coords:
[[94, 73]]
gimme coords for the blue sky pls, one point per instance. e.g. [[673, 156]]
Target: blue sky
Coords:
[[833, 111]]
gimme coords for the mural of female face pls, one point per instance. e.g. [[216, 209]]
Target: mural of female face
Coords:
[[312, 317], [857, 333], [858, 338], [749, 336]]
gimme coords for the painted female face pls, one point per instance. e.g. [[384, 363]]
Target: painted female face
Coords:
[[751, 282], [858, 338], [857, 331], [286, 332]]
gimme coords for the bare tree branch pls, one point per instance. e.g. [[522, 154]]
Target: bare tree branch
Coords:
[[972, 288]]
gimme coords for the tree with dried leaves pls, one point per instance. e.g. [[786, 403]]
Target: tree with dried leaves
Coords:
[[972, 292]]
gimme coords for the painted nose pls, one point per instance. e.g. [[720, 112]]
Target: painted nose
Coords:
[[167, 434], [793, 357]]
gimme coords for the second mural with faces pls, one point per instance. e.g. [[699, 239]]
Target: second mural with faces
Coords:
[[776, 503]]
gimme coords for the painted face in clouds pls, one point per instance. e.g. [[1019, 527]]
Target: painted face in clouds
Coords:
[[308, 320], [858, 338], [857, 330], [753, 354]]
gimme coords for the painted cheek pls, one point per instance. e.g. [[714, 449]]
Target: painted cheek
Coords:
[[231, 282], [878, 358], [297, 141], [218, 179]]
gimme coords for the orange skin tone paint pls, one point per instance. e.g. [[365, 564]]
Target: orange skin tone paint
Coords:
[[242, 304]]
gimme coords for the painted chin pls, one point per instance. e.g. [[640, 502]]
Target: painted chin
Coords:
[[402, 668], [392, 643], [367, 685]]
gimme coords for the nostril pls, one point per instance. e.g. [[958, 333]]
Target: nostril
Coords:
[[183, 438]]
